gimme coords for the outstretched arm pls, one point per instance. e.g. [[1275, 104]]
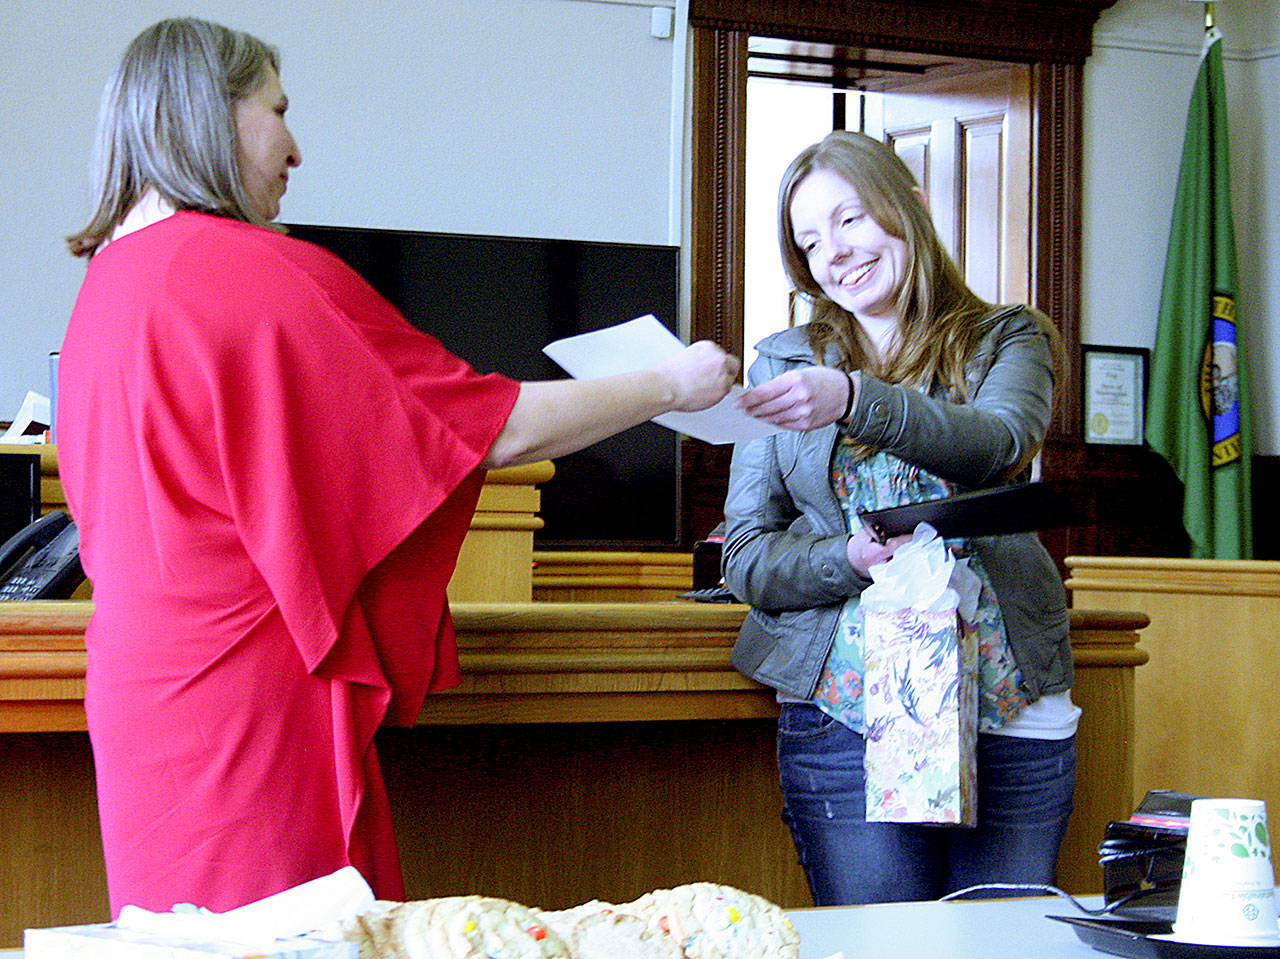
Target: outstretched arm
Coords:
[[555, 417]]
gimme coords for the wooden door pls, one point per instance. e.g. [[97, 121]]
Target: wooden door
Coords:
[[967, 139]]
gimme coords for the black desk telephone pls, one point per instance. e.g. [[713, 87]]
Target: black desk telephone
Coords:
[[42, 561]]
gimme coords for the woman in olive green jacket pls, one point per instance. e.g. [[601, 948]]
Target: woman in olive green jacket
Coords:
[[921, 390]]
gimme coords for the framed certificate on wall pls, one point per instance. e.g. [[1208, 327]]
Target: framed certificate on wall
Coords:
[[1114, 383]]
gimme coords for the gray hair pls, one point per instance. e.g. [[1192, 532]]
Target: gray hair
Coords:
[[167, 121]]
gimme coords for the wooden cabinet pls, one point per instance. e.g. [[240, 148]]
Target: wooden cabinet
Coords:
[[592, 750], [495, 564], [1206, 700]]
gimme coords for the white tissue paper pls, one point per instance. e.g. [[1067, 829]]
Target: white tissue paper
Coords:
[[923, 574], [299, 923], [920, 685]]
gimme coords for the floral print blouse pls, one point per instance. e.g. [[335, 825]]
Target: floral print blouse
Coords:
[[877, 481]]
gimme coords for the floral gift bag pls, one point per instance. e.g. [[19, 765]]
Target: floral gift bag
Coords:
[[921, 686]]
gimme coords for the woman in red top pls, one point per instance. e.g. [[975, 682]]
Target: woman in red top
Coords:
[[272, 473]]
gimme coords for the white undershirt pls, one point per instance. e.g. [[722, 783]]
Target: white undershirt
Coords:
[[1053, 716], [151, 208]]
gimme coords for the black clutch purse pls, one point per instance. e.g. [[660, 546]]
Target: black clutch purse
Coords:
[[1017, 508]]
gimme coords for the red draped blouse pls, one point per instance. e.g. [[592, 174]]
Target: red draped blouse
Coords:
[[272, 473]]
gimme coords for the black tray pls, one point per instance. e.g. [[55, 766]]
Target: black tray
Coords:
[[1133, 938]]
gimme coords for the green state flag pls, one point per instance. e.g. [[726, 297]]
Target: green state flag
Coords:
[[1197, 411]]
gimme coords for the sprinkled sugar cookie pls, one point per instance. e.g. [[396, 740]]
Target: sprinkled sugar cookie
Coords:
[[712, 921], [456, 927], [695, 921], [373, 931], [597, 930], [477, 927]]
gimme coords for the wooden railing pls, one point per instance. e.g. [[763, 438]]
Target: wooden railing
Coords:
[[614, 737]]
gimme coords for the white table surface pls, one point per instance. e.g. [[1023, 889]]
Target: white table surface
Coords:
[[964, 929], [931, 930], [944, 930]]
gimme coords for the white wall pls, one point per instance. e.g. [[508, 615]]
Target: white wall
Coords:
[[504, 117], [554, 118], [1137, 87]]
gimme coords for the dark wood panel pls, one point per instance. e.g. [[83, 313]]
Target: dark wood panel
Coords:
[[1057, 93], [717, 246], [1132, 502], [553, 816], [1129, 496], [704, 483], [1266, 508], [1024, 30]]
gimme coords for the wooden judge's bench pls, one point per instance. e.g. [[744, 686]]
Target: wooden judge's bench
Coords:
[[599, 746]]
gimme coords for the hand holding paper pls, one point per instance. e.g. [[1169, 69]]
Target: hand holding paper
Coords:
[[802, 399], [642, 343], [701, 373]]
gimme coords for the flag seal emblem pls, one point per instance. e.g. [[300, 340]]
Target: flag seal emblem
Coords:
[[1220, 382]]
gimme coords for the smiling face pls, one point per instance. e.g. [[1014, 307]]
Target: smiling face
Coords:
[[852, 258], [264, 146]]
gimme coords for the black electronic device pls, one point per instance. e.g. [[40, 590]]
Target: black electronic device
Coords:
[[1142, 856], [19, 491], [42, 561], [496, 302], [1154, 939]]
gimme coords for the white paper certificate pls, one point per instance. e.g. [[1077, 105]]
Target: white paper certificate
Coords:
[[641, 343]]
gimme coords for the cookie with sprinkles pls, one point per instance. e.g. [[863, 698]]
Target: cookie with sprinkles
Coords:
[[373, 931], [598, 930], [714, 921], [477, 927]]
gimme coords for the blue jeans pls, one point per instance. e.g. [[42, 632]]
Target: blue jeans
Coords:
[[1025, 789]]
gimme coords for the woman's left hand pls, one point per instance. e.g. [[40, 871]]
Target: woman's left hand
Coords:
[[864, 552], [803, 399]]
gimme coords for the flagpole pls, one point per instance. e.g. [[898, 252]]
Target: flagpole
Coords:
[[1197, 408]]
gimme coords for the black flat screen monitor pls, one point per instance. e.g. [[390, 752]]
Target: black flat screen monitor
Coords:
[[495, 302], [19, 492]]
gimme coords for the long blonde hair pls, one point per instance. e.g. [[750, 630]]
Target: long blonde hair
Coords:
[[167, 121], [939, 316]]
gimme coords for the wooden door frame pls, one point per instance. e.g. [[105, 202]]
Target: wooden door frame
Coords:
[[1053, 36]]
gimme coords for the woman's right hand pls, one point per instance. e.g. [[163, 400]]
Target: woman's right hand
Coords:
[[699, 375], [803, 399], [864, 552]]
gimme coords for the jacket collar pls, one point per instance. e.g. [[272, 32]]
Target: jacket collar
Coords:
[[792, 345]]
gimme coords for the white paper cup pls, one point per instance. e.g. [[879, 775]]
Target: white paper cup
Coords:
[[1227, 895]]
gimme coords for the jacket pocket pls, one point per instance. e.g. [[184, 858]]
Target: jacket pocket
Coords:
[[785, 650]]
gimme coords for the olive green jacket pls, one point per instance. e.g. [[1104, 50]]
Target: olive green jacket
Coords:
[[785, 533]]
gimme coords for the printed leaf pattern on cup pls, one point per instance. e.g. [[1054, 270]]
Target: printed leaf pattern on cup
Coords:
[[1245, 835]]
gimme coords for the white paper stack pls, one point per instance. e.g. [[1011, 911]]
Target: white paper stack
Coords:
[[641, 343], [34, 415]]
